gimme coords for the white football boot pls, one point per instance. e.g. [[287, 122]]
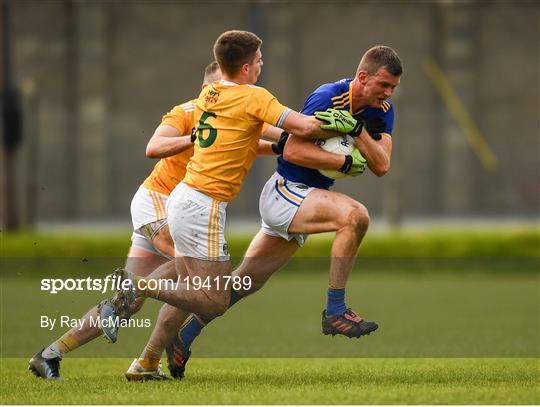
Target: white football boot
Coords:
[[137, 372]]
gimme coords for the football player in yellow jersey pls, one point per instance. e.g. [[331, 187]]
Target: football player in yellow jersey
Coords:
[[230, 116], [151, 242]]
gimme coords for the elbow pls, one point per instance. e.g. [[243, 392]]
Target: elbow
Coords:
[[289, 154], [151, 152], [381, 170]]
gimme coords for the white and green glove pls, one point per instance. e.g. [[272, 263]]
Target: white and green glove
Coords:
[[355, 164], [340, 121]]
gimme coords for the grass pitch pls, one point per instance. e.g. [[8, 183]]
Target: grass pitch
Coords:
[[459, 321], [285, 381]]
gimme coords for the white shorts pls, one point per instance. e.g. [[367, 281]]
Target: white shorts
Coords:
[[147, 207], [197, 224], [279, 202]]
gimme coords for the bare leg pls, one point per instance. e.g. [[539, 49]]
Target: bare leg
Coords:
[[192, 295], [163, 242], [169, 321], [318, 214], [209, 302], [265, 255]]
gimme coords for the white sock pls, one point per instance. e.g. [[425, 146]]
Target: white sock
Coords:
[[52, 351]]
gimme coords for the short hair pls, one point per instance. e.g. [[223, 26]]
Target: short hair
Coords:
[[234, 49], [209, 72], [380, 56]]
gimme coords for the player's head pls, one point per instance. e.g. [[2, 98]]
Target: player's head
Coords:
[[212, 73], [378, 74], [239, 56]]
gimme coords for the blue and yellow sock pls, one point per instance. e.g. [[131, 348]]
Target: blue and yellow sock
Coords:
[[193, 328], [335, 304]]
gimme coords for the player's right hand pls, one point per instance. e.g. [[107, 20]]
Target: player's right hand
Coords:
[[355, 164], [340, 121]]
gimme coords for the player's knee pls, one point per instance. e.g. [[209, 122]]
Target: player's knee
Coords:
[[257, 282], [220, 309], [217, 305], [245, 292], [214, 311], [358, 217], [255, 286], [169, 322]]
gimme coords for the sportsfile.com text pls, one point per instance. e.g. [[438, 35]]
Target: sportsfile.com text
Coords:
[[115, 283]]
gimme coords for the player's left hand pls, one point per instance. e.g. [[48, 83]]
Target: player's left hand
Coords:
[[279, 146], [374, 126], [340, 121]]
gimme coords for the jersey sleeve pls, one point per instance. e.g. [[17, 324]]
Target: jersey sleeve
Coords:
[[265, 107], [180, 117], [319, 100], [389, 119]]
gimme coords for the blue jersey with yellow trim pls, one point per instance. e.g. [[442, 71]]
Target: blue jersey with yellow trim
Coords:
[[335, 95]]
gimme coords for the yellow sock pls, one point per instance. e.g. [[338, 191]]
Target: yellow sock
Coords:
[[66, 343], [150, 356]]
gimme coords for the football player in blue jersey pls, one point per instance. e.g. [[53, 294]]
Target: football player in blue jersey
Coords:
[[296, 200]]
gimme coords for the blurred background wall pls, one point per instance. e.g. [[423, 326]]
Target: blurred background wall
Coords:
[[94, 79]]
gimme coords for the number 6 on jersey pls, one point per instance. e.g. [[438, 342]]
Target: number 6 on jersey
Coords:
[[212, 132]]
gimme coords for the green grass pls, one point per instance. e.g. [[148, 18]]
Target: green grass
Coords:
[[285, 381], [524, 241], [458, 313]]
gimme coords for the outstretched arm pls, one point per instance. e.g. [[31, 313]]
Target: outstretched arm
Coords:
[[167, 141], [306, 126]]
